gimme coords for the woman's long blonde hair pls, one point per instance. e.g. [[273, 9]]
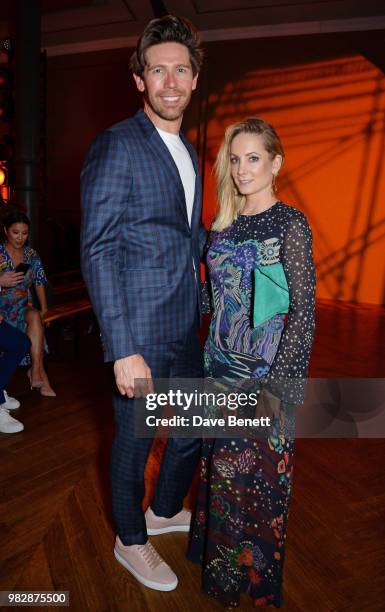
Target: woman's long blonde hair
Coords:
[[230, 201]]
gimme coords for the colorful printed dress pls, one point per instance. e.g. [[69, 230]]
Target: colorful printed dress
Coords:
[[15, 300], [239, 529]]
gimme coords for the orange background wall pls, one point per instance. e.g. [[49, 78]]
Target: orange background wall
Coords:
[[325, 96]]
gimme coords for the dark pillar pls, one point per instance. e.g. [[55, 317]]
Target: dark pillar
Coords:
[[27, 109]]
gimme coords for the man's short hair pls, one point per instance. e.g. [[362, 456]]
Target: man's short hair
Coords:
[[168, 29]]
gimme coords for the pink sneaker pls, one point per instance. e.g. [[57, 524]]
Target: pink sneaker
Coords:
[[148, 567], [158, 524]]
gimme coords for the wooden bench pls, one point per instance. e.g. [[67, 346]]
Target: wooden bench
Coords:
[[68, 287], [62, 276], [68, 309], [69, 290]]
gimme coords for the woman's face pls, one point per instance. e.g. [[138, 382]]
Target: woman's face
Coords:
[[17, 234], [251, 165]]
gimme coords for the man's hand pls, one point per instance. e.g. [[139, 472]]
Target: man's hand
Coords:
[[129, 369], [11, 278], [268, 405]]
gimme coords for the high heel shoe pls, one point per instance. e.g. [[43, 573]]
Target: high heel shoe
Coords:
[[47, 392], [35, 384]]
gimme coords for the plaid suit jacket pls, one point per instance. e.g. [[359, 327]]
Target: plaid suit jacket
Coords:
[[137, 246]]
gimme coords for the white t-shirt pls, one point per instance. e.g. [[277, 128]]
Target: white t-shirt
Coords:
[[183, 162]]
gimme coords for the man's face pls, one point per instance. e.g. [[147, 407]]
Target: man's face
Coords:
[[167, 83]]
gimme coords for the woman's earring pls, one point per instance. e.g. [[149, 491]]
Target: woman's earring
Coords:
[[274, 184]]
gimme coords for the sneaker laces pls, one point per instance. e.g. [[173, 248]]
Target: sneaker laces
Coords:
[[150, 555]]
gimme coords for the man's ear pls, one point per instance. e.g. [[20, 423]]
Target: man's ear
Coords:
[[139, 82], [195, 81]]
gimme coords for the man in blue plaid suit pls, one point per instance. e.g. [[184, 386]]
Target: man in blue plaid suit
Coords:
[[142, 241]]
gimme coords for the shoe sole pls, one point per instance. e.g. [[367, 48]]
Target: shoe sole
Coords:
[[12, 431], [157, 586], [169, 529]]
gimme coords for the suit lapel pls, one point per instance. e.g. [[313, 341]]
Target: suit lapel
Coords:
[[165, 159]]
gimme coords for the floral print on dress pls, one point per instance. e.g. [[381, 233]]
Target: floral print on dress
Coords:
[[239, 530]]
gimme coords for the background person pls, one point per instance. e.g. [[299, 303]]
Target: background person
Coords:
[[13, 347], [16, 303]]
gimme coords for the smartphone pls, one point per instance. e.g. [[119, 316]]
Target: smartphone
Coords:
[[23, 267]]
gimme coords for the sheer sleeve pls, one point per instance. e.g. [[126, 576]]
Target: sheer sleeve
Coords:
[[206, 299], [286, 378], [206, 290]]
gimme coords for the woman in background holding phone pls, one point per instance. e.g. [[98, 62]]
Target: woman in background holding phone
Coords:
[[16, 303]]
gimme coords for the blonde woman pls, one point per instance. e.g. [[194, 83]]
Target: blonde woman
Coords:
[[239, 529]]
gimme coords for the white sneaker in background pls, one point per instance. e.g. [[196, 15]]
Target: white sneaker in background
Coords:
[[8, 424], [11, 403]]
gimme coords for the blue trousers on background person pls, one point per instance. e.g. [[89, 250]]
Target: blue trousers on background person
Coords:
[[14, 344]]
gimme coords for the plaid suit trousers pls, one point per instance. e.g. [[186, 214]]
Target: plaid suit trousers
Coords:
[[129, 454]]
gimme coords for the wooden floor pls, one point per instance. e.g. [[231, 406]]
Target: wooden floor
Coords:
[[55, 526]]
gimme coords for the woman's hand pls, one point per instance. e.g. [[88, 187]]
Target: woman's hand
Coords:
[[43, 314], [11, 278], [41, 296]]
